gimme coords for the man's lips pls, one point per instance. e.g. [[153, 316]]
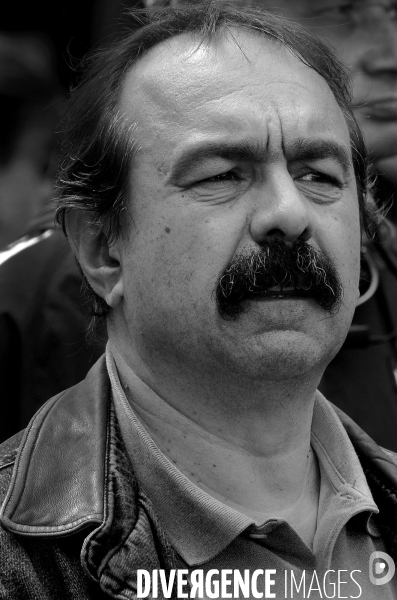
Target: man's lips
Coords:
[[279, 292], [382, 110]]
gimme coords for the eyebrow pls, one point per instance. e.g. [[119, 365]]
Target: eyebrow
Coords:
[[255, 151], [309, 149]]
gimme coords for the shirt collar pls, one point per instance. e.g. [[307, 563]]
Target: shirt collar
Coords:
[[335, 452]]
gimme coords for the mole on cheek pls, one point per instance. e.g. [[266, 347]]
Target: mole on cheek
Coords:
[[167, 229]]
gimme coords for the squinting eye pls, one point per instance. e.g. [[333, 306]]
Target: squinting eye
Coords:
[[228, 176], [320, 178]]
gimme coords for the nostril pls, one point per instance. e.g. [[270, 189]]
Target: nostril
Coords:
[[277, 233], [306, 235]]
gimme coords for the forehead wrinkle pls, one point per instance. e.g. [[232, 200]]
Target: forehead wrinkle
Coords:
[[223, 103]]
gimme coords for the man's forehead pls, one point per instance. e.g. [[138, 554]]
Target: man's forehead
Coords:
[[183, 89], [191, 50], [188, 65]]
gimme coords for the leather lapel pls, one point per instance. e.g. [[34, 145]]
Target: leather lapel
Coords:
[[58, 478]]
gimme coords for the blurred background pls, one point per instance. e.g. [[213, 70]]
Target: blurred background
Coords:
[[71, 27]]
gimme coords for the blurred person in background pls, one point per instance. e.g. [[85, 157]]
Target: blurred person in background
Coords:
[[43, 319], [28, 116], [362, 379]]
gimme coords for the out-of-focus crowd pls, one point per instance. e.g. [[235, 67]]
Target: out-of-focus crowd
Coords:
[[43, 316]]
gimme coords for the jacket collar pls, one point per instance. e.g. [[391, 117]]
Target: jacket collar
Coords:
[[58, 478], [72, 472]]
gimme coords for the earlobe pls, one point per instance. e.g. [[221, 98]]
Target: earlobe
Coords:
[[98, 259], [112, 273]]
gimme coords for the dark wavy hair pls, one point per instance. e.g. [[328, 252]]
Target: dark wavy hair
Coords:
[[97, 141]]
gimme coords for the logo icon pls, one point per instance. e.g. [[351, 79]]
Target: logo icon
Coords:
[[381, 568]]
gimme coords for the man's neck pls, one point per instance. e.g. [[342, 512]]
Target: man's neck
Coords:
[[256, 460]]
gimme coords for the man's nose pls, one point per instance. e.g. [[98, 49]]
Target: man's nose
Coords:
[[282, 211], [380, 56]]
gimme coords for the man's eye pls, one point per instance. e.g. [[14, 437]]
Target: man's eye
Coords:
[[222, 177], [320, 187], [320, 178]]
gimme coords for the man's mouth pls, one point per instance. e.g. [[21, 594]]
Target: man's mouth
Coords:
[[279, 291], [278, 271]]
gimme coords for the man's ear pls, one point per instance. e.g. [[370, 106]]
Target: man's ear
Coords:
[[99, 261]]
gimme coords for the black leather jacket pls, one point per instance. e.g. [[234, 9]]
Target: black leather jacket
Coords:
[[74, 524]]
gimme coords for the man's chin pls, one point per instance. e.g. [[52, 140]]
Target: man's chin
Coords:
[[276, 312], [286, 354], [282, 351]]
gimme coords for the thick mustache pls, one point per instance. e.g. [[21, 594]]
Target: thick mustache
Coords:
[[300, 266]]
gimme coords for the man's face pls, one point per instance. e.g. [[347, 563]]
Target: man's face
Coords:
[[236, 148], [364, 35]]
